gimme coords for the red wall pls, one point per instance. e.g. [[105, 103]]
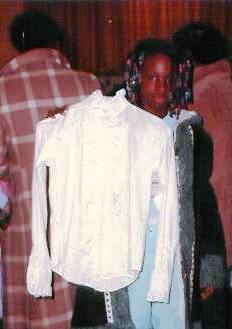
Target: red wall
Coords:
[[8, 9]]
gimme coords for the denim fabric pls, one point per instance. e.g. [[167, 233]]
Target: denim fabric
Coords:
[[147, 315]]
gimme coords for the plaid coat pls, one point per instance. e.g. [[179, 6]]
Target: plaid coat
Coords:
[[30, 85]]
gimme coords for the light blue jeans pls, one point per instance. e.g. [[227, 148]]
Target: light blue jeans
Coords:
[[149, 315]]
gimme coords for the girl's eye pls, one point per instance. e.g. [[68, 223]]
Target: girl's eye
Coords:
[[155, 77]]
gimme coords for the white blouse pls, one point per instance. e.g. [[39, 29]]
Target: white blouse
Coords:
[[102, 154]]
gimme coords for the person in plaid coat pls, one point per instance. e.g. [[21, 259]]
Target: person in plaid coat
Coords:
[[36, 81]]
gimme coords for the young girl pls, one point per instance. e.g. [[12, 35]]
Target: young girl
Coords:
[[148, 84]]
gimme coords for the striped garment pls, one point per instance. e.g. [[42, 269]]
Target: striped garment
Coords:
[[32, 84]]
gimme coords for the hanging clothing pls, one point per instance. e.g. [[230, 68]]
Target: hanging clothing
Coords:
[[184, 127], [31, 84], [102, 154]]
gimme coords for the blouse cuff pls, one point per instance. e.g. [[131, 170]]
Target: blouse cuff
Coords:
[[159, 288], [39, 275]]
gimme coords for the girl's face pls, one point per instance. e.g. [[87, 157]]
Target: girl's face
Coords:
[[155, 84]]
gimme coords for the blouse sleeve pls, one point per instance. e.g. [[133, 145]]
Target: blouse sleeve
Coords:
[[39, 272], [168, 225]]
